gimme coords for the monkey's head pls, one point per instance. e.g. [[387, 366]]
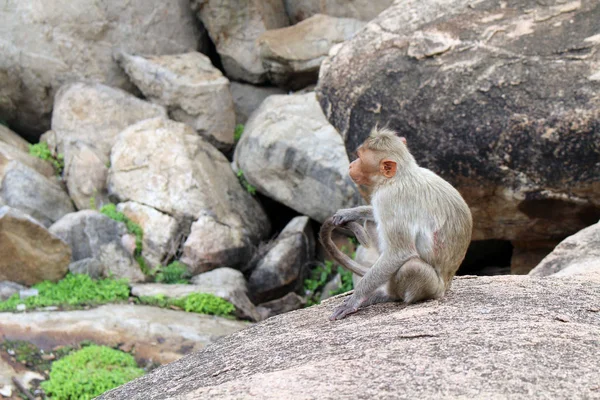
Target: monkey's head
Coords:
[[379, 158]]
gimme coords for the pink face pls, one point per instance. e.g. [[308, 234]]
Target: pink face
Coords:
[[365, 168]]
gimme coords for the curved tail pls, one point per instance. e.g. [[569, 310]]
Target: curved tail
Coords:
[[361, 234]]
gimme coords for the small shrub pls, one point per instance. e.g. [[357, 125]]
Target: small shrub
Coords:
[[319, 276], [237, 133], [41, 150], [175, 272], [89, 372], [201, 303], [249, 188]]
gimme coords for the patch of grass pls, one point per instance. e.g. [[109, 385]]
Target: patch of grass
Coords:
[[41, 150], [73, 291], [321, 275], [237, 133], [249, 188], [89, 372], [201, 303], [175, 272]]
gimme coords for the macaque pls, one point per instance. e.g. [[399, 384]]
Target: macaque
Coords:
[[423, 227]]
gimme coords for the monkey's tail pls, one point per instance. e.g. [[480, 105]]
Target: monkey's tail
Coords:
[[325, 236]]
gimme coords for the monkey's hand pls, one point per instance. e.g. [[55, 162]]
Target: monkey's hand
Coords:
[[349, 306], [344, 216]]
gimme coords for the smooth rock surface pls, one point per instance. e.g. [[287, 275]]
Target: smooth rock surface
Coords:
[[157, 335], [247, 98], [287, 303], [29, 253], [290, 153], [480, 341], [193, 91], [9, 137], [50, 43], [364, 10], [10, 153]]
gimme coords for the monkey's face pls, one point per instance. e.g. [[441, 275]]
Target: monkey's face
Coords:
[[365, 169]]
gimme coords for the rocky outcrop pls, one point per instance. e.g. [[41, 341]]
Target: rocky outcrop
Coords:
[[192, 181], [291, 154], [94, 236], [11, 138], [578, 254], [396, 351], [363, 10], [292, 56], [74, 41], [193, 91], [501, 100], [29, 253], [247, 98], [157, 335], [234, 27]]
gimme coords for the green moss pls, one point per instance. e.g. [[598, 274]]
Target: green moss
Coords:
[[90, 372], [201, 303], [249, 188], [41, 150], [237, 134], [72, 291], [175, 272]]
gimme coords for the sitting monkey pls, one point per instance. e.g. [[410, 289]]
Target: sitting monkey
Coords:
[[423, 227]]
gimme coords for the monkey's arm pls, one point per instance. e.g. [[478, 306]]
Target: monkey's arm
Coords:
[[346, 215]]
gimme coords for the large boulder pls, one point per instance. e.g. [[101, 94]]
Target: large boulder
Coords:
[[578, 254], [363, 10], [292, 56], [28, 252], [247, 98], [86, 120], [166, 165], [193, 91], [480, 341], [94, 236], [501, 99], [234, 27], [291, 154], [9, 137], [45, 45]]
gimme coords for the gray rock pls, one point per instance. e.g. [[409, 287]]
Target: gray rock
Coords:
[[234, 27], [88, 266], [282, 267], [292, 56], [193, 91], [287, 303], [25, 293], [29, 253], [9, 137], [93, 235], [501, 99], [8, 289], [364, 10], [75, 41], [291, 154], [247, 98], [332, 285], [455, 347], [578, 254], [10, 153]]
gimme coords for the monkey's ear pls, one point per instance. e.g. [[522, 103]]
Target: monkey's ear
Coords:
[[403, 139], [388, 168]]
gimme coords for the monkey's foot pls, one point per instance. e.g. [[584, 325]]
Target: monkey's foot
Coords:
[[349, 306], [342, 216]]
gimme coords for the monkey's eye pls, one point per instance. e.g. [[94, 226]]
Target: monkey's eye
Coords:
[[353, 156]]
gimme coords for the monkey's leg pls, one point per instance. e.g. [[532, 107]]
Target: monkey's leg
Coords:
[[417, 281]]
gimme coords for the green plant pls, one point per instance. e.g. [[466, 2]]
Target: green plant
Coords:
[[319, 276], [237, 133], [249, 188], [41, 150], [175, 272], [347, 283], [72, 291], [90, 372], [201, 303]]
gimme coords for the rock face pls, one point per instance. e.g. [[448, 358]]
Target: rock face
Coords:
[[501, 101], [93, 235], [291, 154], [74, 41], [234, 27], [28, 252], [9, 137], [282, 267], [292, 56], [247, 98], [402, 350], [165, 165], [193, 91], [363, 10], [576, 255], [158, 335]]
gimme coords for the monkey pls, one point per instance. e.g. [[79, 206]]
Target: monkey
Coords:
[[422, 222]]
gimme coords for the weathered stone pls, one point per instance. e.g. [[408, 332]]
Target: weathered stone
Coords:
[[10, 370], [500, 99], [45, 45], [88, 266], [234, 27], [10, 153], [396, 351], [161, 238], [158, 335], [247, 98], [287, 303], [292, 56], [41, 197], [86, 121], [193, 91], [192, 180], [526, 255], [578, 254], [93, 235], [9, 137], [8, 288], [291, 154], [331, 286], [364, 10], [280, 270], [28, 252]]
